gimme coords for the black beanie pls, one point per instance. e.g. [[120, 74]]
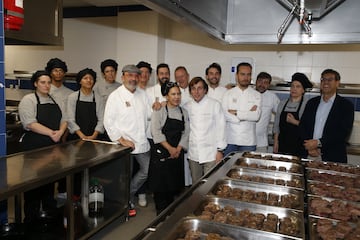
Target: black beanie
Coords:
[[303, 79], [108, 63], [55, 63], [83, 72]]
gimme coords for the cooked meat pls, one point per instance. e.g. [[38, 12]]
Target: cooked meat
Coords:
[[192, 235], [220, 217], [212, 207]]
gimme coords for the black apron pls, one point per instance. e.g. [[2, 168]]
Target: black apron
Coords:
[[168, 174], [289, 137], [48, 115], [85, 117]]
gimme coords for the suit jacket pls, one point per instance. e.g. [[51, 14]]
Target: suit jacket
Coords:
[[336, 131]]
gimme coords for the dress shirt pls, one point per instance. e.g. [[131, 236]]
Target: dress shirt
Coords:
[[322, 114], [217, 93], [207, 129], [127, 115], [71, 110], [104, 88], [240, 129], [269, 106]]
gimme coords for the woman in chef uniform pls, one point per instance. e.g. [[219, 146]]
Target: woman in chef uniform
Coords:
[[170, 128], [85, 109], [44, 125], [286, 127]]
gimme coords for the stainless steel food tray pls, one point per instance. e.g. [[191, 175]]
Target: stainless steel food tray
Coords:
[[332, 177], [342, 210], [224, 230], [293, 199], [266, 177], [272, 156], [270, 165], [332, 166], [296, 217], [333, 191], [314, 234]]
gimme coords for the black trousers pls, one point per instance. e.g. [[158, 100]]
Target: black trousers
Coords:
[[164, 199]]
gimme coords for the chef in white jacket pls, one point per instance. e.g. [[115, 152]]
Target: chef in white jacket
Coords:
[[126, 119], [269, 106], [154, 92], [207, 130], [242, 108]]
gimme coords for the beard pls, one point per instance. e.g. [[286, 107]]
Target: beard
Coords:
[[163, 80]]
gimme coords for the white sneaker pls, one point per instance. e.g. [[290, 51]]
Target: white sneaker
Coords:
[[142, 200]]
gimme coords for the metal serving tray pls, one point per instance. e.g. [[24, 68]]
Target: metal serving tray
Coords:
[[332, 177], [332, 166], [267, 177], [270, 165], [224, 230], [333, 191], [353, 229], [286, 197], [272, 156], [352, 209], [296, 217]]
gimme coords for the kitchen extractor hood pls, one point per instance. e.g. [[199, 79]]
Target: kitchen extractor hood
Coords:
[[258, 21]]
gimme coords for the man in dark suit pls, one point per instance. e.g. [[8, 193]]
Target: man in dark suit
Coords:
[[327, 121]]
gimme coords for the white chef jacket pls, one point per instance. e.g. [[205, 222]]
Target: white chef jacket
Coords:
[[127, 115], [185, 95], [207, 129], [154, 93], [240, 129], [217, 93], [269, 106]]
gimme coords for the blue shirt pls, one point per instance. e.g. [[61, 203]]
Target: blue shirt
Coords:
[[322, 114]]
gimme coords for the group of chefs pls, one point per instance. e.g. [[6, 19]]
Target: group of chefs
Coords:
[[178, 130]]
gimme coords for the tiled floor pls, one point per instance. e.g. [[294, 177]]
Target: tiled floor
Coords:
[[128, 230]]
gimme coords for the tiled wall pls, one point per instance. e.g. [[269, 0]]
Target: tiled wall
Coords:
[[2, 86]]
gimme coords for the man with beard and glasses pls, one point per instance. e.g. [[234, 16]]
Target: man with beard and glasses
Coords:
[[126, 119], [242, 108], [213, 75], [154, 92], [269, 106]]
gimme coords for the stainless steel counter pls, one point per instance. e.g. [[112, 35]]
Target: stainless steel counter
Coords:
[[109, 163], [28, 170]]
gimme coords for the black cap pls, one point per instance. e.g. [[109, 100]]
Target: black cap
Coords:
[[144, 64], [38, 74], [108, 63], [83, 72], [55, 63], [303, 79]]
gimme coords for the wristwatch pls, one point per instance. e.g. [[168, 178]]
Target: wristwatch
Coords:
[[221, 151], [319, 145]]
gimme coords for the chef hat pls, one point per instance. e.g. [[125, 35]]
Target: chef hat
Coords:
[[144, 64], [303, 79], [108, 63], [37, 74], [83, 72], [55, 63]]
